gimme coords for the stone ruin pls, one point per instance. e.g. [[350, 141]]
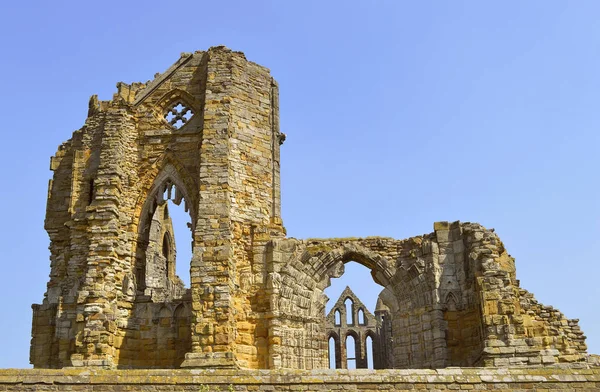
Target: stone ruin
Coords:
[[205, 134], [362, 325]]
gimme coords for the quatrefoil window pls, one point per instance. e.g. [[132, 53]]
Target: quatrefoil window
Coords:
[[178, 114]]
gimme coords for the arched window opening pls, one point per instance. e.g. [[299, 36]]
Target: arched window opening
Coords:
[[332, 359], [369, 352], [347, 316], [349, 311], [180, 221], [361, 317], [338, 317], [162, 272], [350, 352]]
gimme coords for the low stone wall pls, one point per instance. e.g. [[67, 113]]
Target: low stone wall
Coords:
[[514, 379]]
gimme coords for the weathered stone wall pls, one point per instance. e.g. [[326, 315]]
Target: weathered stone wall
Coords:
[[516, 328], [205, 133], [507, 379], [108, 183], [158, 336], [452, 296], [405, 269]]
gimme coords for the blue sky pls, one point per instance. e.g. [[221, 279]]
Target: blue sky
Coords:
[[398, 114]]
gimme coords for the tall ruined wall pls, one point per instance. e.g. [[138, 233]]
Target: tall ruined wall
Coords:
[[452, 296], [220, 160], [86, 236], [205, 135], [517, 330]]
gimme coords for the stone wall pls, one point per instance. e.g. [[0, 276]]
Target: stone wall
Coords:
[[360, 324], [452, 295], [158, 335], [516, 328], [508, 379], [206, 128], [205, 135]]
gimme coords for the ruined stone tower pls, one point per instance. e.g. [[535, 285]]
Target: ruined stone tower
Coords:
[[205, 134]]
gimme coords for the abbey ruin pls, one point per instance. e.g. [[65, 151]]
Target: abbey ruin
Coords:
[[205, 135]]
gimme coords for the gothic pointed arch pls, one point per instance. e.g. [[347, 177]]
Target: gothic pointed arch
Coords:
[[156, 277], [329, 262], [165, 167], [451, 302], [164, 182]]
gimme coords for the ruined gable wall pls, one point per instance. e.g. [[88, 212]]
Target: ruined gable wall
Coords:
[[358, 329], [224, 158]]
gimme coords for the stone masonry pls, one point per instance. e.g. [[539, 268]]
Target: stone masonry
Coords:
[[205, 135], [361, 325], [154, 380]]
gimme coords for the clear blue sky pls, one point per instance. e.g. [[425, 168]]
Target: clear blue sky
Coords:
[[398, 114]]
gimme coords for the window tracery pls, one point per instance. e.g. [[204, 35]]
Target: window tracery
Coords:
[[178, 114]]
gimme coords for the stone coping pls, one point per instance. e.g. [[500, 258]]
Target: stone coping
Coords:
[[78, 376]]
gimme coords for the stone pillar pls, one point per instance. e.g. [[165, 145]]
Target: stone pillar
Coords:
[[273, 315], [361, 352], [97, 298], [212, 267]]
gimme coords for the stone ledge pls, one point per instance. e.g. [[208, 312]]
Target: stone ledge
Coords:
[[457, 376]]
